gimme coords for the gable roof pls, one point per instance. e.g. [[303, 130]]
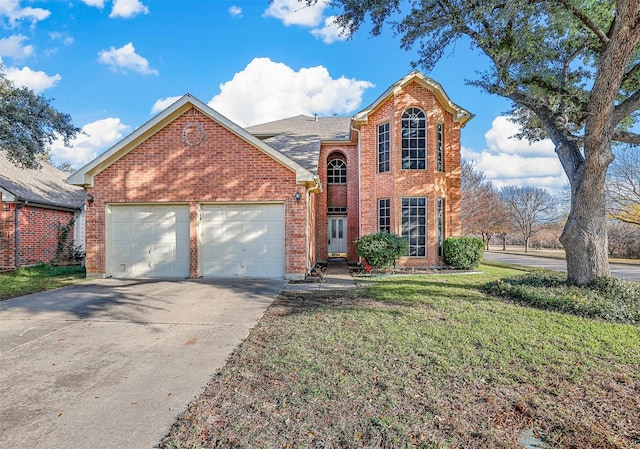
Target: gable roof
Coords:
[[300, 137], [84, 176], [459, 114], [45, 186]]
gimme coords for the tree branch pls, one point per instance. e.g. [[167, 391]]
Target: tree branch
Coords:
[[624, 109], [590, 24], [626, 137]]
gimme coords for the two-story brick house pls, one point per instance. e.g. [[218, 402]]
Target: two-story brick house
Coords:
[[192, 194]]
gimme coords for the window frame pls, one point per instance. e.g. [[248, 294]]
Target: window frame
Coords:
[[414, 139], [341, 175], [384, 215], [439, 146], [412, 231], [384, 147], [440, 224]]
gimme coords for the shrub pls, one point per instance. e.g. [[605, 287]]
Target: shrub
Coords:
[[382, 249], [609, 299], [464, 253]]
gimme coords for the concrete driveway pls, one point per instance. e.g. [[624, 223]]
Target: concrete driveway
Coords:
[[111, 363]]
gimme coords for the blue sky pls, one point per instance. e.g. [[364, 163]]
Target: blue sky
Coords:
[[113, 64]]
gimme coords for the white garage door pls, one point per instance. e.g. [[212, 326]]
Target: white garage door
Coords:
[[242, 240], [148, 241]]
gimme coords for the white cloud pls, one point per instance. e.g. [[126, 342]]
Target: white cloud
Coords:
[[330, 32], [163, 103], [36, 81], [294, 12], [98, 136], [266, 91], [13, 47], [510, 161], [235, 11], [95, 3], [124, 59], [12, 10], [128, 8], [62, 37], [499, 139]]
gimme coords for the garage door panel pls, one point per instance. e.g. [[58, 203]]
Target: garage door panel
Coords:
[[148, 241], [242, 240]]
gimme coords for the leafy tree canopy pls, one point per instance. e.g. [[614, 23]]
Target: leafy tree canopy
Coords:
[[28, 124]]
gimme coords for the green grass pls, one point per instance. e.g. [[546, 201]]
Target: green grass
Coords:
[[24, 281], [420, 362]]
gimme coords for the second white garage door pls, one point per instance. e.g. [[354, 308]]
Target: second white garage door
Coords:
[[242, 240]]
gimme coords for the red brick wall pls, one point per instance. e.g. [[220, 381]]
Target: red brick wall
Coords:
[[399, 183], [223, 168], [38, 233], [7, 236], [338, 195]]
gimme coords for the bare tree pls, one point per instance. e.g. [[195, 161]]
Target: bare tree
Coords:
[[531, 210], [482, 212], [623, 186]]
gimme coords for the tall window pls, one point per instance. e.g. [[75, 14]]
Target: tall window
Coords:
[[383, 148], [440, 224], [414, 225], [337, 172], [384, 215], [439, 153], [414, 139]]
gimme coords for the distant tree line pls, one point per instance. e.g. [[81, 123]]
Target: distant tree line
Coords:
[[533, 218]]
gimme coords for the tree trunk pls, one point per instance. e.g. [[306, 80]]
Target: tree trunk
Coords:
[[526, 244], [585, 234]]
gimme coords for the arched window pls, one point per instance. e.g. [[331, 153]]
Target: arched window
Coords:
[[414, 139], [337, 172]]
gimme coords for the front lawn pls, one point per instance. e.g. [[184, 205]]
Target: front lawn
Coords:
[[421, 362], [24, 281]]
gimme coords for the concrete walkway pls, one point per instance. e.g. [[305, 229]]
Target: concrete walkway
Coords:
[[336, 277]]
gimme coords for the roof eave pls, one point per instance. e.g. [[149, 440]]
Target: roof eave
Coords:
[[85, 175]]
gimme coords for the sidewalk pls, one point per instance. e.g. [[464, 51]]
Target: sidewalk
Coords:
[[336, 277]]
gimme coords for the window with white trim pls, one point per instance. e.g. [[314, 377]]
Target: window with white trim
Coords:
[[414, 225], [383, 147], [337, 172], [414, 139], [440, 224], [384, 215], [439, 143]]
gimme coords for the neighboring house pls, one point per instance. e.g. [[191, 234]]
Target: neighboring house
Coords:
[[34, 204], [191, 194]]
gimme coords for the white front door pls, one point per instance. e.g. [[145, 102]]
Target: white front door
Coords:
[[337, 237]]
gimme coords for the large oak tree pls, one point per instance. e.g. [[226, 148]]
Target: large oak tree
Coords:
[[29, 124], [571, 69]]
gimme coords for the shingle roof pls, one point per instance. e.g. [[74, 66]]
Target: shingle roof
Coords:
[[327, 128], [299, 137], [45, 186]]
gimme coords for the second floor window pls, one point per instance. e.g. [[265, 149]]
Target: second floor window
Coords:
[[414, 139], [383, 148], [439, 143], [337, 172]]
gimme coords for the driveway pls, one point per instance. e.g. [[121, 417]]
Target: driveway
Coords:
[[623, 271], [111, 363]]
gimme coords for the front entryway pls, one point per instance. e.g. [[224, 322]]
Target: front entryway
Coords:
[[337, 237]]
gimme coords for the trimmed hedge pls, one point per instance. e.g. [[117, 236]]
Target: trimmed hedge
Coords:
[[463, 253], [382, 249]]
